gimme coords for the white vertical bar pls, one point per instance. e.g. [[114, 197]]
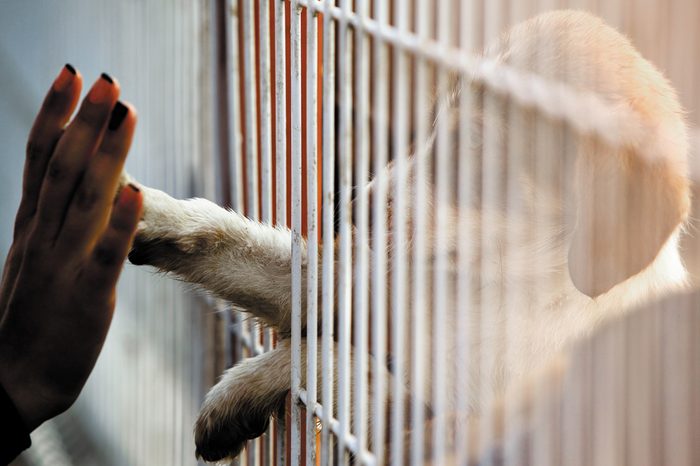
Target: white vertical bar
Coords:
[[170, 326], [234, 106], [312, 242], [345, 235], [280, 160], [361, 282], [280, 167], [380, 78], [442, 292], [295, 33], [280, 163], [189, 366], [280, 114], [398, 292], [265, 113], [465, 186], [251, 105], [162, 400], [265, 157], [423, 17], [179, 349], [328, 285], [490, 242]]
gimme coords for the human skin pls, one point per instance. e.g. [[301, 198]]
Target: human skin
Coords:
[[71, 237]]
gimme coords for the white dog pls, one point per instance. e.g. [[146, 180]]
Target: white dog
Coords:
[[607, 232]]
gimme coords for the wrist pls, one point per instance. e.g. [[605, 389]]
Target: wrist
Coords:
[[15, 435], [34, 402]]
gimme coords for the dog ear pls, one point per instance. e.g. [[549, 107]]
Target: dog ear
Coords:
[[627, 204], [627, 209]]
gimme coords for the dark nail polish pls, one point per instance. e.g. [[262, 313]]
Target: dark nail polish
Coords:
[[70, 68], [118, 114], [107, 78], [134, 188]]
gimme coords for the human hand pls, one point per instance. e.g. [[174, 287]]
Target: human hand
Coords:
[[70, 241]]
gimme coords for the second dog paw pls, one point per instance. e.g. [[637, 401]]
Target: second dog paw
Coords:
[[226, 422]]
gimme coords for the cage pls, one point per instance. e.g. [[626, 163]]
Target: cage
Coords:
[[322, 96]]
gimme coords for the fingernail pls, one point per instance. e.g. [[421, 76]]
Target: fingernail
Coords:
[[119, 112], [64, 78], [101, 89], [129, 196]]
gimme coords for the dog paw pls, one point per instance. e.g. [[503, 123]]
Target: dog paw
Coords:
[[167, 232], [229, 419]]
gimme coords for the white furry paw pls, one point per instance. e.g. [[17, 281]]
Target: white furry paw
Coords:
[[168, 232], [236, 410]]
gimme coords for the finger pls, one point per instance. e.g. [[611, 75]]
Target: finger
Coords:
[[89, 208], [105, 264], [58, 105], [71, 156]]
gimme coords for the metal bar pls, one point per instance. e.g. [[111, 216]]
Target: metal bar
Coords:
[[312, 229], [280, 114], [265, 154], [465, 245], [361, 281], [297, 241], [345, 234], [265, 112], [442, 292], [398, 291], [280, 163], [280, 168], [380, 78], [419, 345], [251, 107], [234, 109], [328, 282]]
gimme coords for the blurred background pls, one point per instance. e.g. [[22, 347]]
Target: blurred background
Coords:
[[164, 348]]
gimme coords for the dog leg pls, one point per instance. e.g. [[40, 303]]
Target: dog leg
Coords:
[[239, 407], [244, 262]]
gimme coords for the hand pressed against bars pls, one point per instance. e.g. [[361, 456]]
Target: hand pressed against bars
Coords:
[[70, 240], [599, 257]]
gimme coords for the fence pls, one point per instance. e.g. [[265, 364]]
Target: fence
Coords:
[[321, 96]]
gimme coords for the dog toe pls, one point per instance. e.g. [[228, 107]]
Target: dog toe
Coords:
[[152, 252], [219, 437]]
